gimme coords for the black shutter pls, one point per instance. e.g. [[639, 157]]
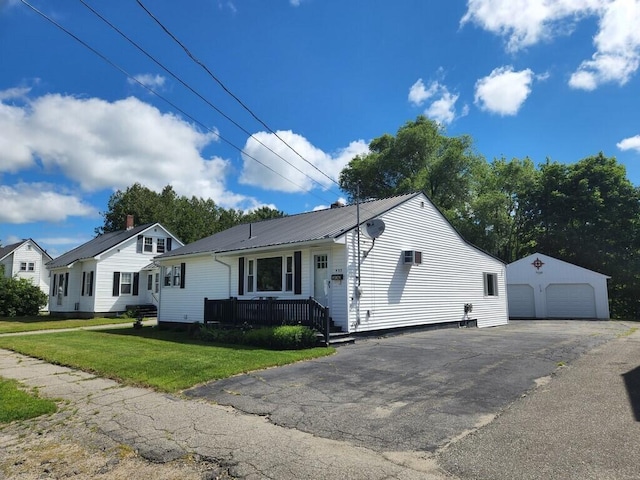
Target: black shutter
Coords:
[[241, 276], [66, 283], [116, 284], [169, 240], [84, 278], [90, 292], [139, 244], [136, 284], [183, 271], [54, 284], [297, 272]]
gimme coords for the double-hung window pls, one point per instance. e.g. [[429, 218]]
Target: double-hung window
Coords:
[[250, 275], [160, 245], [148, 244], [126, 281], [176, 275], [31, 266], [288, 274], [23, 266]]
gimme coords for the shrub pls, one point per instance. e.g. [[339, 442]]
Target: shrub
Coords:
[[286, 337], [19, 297]]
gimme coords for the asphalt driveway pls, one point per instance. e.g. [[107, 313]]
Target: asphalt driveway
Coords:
[[415, 391]]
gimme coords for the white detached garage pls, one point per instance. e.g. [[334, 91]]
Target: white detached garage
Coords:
[[539, 286]]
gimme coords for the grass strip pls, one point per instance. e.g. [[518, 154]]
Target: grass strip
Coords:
[[165, 360], [29, 324], [17, 404]]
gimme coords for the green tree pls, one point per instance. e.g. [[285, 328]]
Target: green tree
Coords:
[[495, 218], [20, 297], [588, 213], [419, 158], [190, 219]]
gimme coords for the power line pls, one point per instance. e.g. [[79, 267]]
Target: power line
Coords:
[[191, 89], [211, 74], [173, 105]]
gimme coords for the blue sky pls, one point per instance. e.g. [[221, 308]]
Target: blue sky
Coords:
[[545, 78]]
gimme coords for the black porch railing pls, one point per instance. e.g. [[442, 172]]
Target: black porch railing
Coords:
[[269, 312]]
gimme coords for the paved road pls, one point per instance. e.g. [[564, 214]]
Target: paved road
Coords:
[[403, 407], [411, 392]]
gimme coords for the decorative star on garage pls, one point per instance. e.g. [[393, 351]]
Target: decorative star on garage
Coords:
[[537, 263]]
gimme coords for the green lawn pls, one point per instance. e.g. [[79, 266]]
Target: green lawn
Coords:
[[18, 404], [165, 360], [44, 322]]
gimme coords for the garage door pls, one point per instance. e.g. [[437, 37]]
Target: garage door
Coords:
[[520, 299], [571, 301]]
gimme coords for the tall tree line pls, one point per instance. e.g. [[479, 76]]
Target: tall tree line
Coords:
[[587, 212], [190, 219]]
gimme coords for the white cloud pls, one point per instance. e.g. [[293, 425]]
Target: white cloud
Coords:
[[631, 143], [15, 93], [110, 145], [418, 94], [150, 80], [526, 22], [295, 3], [296, 175], [503, 91], [36, 202], [442, 108]]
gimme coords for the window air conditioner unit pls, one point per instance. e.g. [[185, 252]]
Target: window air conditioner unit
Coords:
[[412, 257]]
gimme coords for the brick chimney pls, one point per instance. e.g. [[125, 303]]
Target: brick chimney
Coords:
[[129, 222]]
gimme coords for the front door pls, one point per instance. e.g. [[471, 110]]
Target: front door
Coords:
[[321, 278]]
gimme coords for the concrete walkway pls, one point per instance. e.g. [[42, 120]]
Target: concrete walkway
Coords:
[[581, 423]]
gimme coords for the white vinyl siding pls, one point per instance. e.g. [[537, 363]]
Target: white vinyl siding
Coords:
[[204, 277], [29, 263], [560, 289], [124, 258], [451, 274]]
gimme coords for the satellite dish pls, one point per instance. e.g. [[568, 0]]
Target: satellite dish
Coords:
[[374, 228]]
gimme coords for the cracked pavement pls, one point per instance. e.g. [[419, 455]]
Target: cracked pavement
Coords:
[[410, 392], [384, 408]]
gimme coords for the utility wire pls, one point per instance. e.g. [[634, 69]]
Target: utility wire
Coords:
[[191, 89], [213, 76], [173, 105]]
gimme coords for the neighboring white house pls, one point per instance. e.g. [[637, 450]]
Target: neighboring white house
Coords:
[[26, 259], [540, 286], [110, 273], [418, 271]]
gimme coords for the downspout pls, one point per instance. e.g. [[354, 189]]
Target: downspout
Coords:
[[215, 259], [358, 292]]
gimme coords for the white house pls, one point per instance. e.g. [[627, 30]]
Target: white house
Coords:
[[417, 271], [540, 286], [26, 259], [110, 273]]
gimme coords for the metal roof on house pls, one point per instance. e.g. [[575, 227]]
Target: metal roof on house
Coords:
[[319, 225], [7, 250], [98, 245]]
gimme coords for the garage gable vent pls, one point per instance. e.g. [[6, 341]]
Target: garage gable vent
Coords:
[[412, 257]]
